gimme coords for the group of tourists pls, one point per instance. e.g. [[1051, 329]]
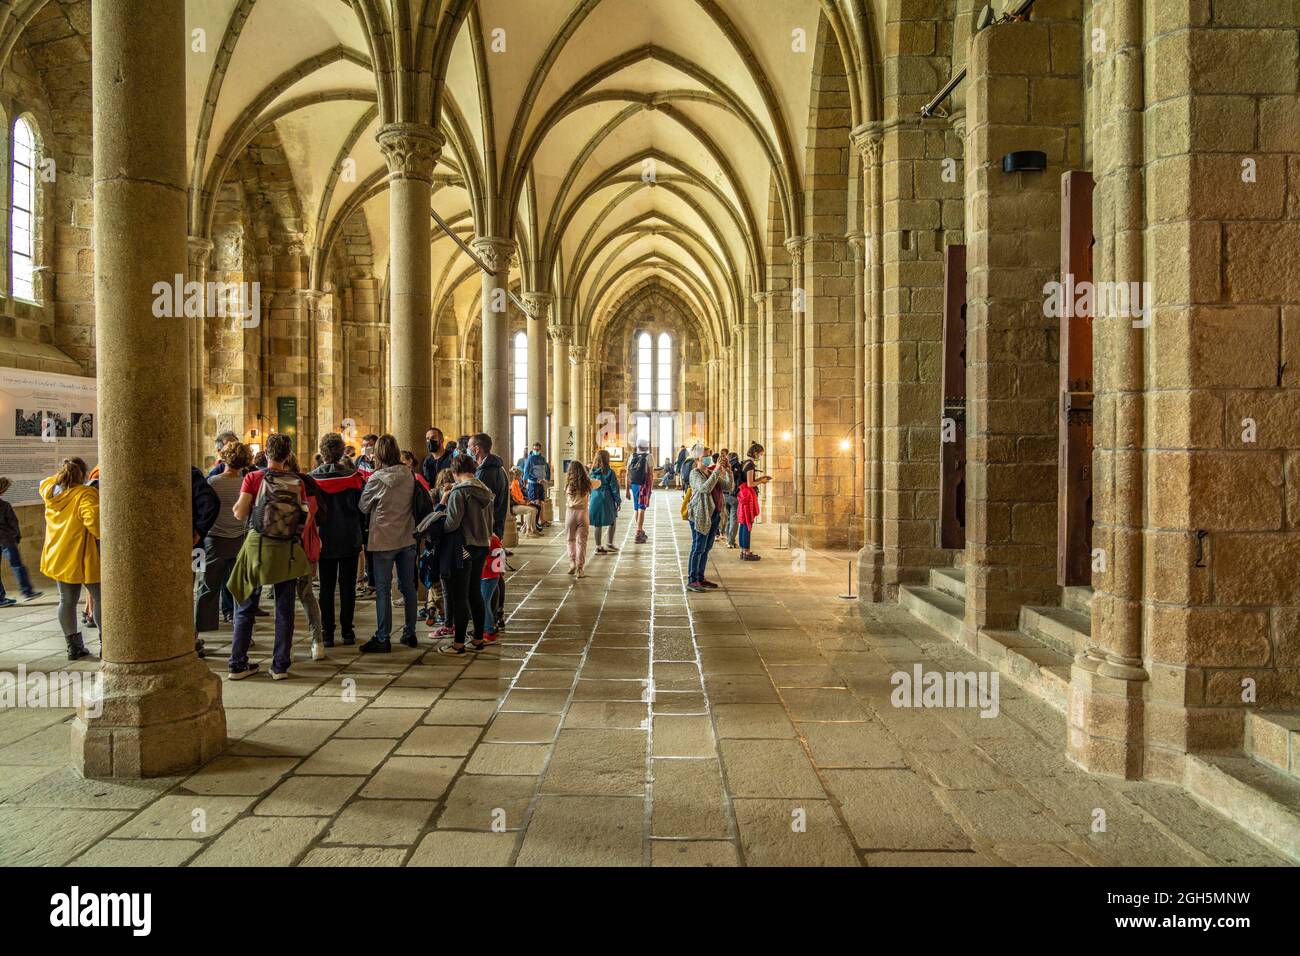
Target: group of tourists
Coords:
[[358, 523]]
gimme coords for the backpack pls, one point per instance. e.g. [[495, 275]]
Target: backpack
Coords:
[[686, 504], [278, 511], [636, 469]]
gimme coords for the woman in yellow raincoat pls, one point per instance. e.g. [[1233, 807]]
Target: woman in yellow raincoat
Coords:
[[70, 556]]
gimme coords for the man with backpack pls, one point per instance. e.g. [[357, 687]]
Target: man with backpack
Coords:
[[272, 555], [639, 480]]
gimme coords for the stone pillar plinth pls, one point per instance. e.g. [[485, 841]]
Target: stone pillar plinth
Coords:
[[496, 254], [411, 151], [161, 711]]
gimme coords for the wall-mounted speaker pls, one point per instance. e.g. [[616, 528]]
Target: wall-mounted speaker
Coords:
[[1024, 161]]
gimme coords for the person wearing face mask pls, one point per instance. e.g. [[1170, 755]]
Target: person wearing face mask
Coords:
[[366, 463], [709, 481], [438, 457]]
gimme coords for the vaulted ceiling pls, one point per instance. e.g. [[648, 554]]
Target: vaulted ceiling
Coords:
[[613, 139]]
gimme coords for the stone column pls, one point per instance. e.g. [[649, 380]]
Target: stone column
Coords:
[[858, 258], [560, 416], [799, 445], [161, 710], [496, 254], [464, 415], [1013, 252], [868, 140], [411, 151], [539, 307], [200, 252], [578, 399]]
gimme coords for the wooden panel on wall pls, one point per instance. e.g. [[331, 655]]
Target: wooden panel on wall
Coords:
[[1074, 460], [952, 482]]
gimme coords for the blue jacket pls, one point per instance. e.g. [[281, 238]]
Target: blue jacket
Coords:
[[536, 468], [603, 507]]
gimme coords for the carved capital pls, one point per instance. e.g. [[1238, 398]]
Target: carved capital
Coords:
[[559, 334], [794, 245], [577, 354], [496, 253], [200, 250], [760, 298], [868, 140], [858, 243], [538, 304], [411, 150]]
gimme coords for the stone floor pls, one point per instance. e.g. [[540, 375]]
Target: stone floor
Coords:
[[622, 721]]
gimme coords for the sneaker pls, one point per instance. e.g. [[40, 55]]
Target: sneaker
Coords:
[[490, 637], [641, 537], [279, 675], [248, 671], [411, 640], [349, 640], [317, 652], [610, 549], [444, 631], [451, 649], [7, 602], [227, 618], [199, 649], [699, 588], [376, 646], [750, 556], [328, 640], [707, 583], [600, 549], [32, 596]]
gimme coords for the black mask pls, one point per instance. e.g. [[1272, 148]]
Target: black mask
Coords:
[[433, 446]]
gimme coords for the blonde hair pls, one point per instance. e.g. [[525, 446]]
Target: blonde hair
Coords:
[[236, 455], [577, 484]]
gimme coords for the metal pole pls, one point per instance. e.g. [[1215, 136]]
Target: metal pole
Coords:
[[850, 595], [477, 261]]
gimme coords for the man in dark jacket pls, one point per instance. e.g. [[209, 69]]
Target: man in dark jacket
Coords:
[[204, 505], [10, 537], [438, 457], [340, 537], [492, 472]]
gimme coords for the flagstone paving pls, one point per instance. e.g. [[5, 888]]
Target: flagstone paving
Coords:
[[622, 721]]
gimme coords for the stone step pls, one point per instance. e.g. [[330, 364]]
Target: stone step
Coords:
[[1062, 630], [1274, 740], [951, 581], [1257, 798], [1040, 670], [933, 607], [1077, 599]]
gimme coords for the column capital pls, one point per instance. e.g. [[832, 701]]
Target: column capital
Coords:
[[538, 304], [495, 252], [868, 139], [858, 243], [794, 245], [577, 354], [411, 150], [957, 120], [559, 334], [199, 250], [761, 297]]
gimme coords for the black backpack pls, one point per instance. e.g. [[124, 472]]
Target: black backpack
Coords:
[[637, 469], [421, 506]]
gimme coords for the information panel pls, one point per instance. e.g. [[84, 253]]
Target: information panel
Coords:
[[44, 418]]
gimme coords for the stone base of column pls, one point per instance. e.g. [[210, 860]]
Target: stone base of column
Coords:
[[510, 537], [1105, 723], [154, 720], [871, 585]]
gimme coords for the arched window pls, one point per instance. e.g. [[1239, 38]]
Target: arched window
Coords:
[[521, 370], [519, 420], [22, 219], [665, 372], [645, 358]]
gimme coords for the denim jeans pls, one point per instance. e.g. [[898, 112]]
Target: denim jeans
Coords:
[[744, 537], [701, 544], [15, 559], [488, 588], [383, 562], [733, 520], [286, 597]]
